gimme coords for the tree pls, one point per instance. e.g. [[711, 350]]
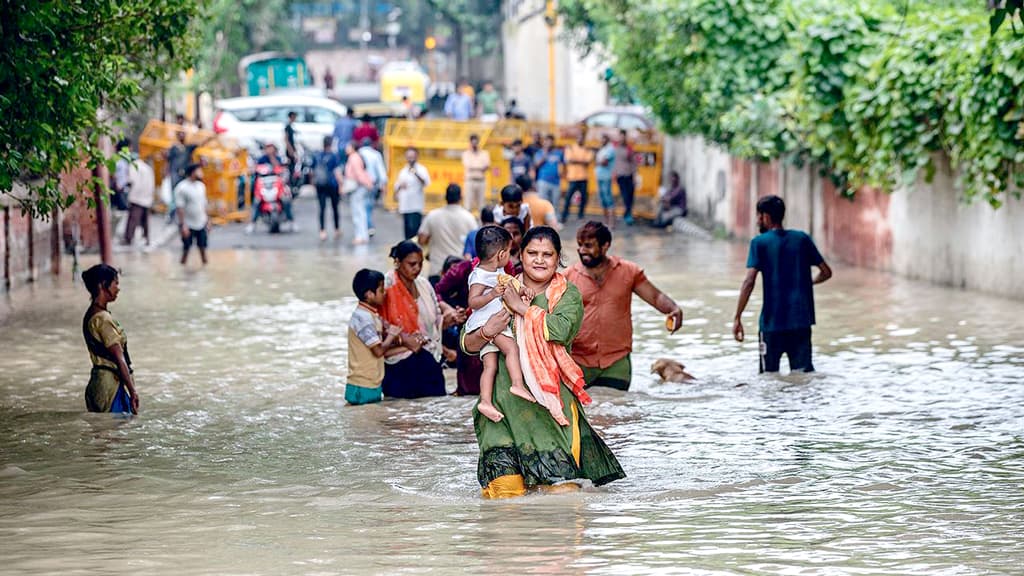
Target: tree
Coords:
[[870, 91], [231, 29], [61, 63], [476, 25]]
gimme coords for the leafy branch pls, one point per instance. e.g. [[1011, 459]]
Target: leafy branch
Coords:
[[61, 63], [870, 91]]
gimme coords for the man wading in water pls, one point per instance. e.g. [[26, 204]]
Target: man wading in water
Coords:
[[784, 258]]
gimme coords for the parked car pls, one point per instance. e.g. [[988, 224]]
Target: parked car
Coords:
[[255, 120], [635, 120]]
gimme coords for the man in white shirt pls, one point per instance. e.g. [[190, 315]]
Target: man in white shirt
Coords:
[[412, 181], [444, 230], [374, 161], [141, 188], [190, 200]]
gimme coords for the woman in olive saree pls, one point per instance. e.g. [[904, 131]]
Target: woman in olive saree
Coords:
[[528, 449]]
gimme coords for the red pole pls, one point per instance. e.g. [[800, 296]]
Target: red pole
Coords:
[[55, 240], [102, 224], [7, 248], [31, 248], [102, 176]]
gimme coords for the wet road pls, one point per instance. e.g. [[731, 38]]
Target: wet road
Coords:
[[903, 455]]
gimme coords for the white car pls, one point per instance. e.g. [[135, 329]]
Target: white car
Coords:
[[255, 120]]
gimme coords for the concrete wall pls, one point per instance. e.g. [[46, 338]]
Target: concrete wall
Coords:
[[925, 231], [579, 86]]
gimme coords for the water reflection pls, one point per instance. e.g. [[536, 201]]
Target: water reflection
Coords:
[[901, 456]]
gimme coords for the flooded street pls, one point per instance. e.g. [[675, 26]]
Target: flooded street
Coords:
[[903, 455]]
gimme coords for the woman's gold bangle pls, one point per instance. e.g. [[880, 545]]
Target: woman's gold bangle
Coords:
[[486, 337]]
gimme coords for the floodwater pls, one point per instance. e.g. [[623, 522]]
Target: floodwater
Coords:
[[903, 455]]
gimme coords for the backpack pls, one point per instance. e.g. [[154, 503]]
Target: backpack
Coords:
[[321, 174]]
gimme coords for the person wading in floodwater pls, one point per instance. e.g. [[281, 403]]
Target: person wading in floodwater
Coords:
[[111, 385], [784, 258], [527, 448], [605, 343]]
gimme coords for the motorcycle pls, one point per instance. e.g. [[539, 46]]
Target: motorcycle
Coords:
[[270, 193]]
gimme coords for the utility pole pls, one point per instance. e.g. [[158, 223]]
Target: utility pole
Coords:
[[551, 19]]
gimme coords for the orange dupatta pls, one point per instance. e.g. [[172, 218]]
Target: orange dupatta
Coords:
[[400, 308], [548, 363]]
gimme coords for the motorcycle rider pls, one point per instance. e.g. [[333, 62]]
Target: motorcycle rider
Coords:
[[273, 159]]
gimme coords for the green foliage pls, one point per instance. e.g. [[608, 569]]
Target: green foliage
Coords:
[[479, 21], [232, 29], [1004, 11], [870, 90], [60, 64]]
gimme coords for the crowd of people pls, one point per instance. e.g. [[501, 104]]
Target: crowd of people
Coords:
[[529, 339], [490, 299]]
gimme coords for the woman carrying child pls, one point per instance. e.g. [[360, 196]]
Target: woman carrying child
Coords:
[[487, 285], [528, 448]]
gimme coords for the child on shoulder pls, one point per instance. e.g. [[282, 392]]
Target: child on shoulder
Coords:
[[369, 340]]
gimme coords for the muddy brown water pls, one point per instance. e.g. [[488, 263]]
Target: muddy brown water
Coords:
[[902, 455]]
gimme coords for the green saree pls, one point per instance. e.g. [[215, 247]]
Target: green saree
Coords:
[[528, 449]]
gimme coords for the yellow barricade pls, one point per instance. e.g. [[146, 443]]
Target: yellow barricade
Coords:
[[224, 162], [441, 142]]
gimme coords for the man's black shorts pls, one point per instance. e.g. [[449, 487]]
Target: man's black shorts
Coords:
[[197, 236], [795, 344]]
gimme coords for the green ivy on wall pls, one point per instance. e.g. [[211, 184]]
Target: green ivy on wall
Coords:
[[871, 91]]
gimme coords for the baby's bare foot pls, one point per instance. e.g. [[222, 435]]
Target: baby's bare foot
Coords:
[[522, 393], [490, 412]]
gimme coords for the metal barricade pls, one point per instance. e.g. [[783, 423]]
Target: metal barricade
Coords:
[[441, 142], [225, 167]]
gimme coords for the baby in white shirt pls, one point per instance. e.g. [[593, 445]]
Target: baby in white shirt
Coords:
[[493, 244]]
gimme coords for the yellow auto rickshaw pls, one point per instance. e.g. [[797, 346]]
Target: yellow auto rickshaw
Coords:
[[398, 79]]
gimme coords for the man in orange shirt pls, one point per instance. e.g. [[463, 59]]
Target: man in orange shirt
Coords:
[[542, 213], [475, 162], [578, 159], [607, 283]]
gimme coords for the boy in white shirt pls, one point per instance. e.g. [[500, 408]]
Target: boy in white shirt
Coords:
[[190, 204], [512, 205]]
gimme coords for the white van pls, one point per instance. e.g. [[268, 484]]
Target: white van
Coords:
[[255, 120]]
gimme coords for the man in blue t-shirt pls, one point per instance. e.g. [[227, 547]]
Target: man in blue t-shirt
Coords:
[[784, 259], [549, 163]]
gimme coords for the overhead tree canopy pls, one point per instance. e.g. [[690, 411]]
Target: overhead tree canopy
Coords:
[[869, 90], [60, 64], [231, 29]]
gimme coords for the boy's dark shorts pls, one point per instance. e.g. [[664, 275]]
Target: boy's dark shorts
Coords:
[[197, 236], [795, 344]]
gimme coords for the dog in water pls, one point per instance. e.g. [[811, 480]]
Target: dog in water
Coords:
[[671, 371]]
